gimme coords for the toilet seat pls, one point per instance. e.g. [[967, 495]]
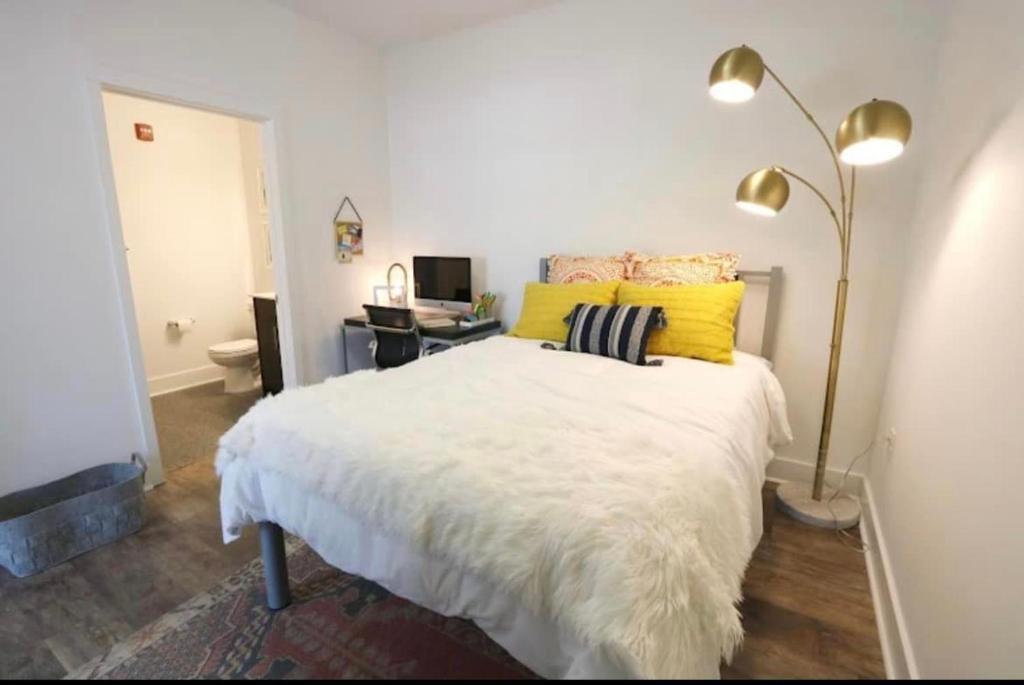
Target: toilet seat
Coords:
[[235, 348]]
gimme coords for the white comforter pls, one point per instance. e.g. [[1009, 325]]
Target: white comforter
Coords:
[[611, 498]]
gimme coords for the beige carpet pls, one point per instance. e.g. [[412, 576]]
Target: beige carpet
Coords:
[[189, 422]]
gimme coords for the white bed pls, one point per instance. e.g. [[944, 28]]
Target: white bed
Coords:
[[594, 518]]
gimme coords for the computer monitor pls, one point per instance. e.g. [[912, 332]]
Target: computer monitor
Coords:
[[442, 282]]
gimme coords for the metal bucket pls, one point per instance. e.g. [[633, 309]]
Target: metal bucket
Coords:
[[49, 524]]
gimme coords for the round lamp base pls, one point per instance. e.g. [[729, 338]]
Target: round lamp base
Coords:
[[795, 499]]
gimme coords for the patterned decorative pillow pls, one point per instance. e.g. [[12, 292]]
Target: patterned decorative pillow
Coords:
[[709, 267], [566, 269], [616, 331]]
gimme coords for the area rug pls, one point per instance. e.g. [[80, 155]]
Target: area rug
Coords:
[[339, 626]]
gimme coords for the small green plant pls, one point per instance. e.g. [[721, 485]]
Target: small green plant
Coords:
[[484, 305]]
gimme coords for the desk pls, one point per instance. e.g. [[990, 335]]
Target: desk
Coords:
[[448, 336]]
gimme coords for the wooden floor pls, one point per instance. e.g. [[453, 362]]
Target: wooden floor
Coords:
[[61, 618], [807, 609], [807, 612]]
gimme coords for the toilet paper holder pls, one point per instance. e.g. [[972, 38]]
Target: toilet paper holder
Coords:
[[181, 325]]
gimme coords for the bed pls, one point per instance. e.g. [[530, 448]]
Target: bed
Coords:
[[593, 517]]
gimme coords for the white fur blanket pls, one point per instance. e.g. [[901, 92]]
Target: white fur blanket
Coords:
[[611, 498]]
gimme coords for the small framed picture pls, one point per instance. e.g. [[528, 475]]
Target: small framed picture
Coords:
[[261, 191], [395, 296]]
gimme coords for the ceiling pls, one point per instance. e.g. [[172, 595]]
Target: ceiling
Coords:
[[386, 23]]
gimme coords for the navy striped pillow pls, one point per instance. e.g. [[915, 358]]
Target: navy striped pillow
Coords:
[[617, 331]]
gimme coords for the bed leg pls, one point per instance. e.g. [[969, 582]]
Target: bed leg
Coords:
[[275, 566]]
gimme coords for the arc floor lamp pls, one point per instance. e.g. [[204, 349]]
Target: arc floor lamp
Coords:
[[873, 133]]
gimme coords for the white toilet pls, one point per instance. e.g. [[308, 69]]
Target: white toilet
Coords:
[[240, 358]]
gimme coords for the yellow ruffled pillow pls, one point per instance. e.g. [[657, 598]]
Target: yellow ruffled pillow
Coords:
[[545, 306], [700, 318]]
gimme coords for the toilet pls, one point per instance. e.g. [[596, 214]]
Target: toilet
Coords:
[[240, 359]]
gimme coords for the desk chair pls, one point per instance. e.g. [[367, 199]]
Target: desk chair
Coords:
[[396, 336]]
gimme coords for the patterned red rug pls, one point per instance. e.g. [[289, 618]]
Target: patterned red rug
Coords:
[[339, 626]]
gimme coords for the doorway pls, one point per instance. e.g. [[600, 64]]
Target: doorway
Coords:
[[196, 218]]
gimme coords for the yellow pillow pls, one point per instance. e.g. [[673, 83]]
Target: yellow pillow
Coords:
[[700, 318], [545, 306]]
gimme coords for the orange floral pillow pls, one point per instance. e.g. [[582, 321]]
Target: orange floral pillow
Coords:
[[709, 267], [566, 269]]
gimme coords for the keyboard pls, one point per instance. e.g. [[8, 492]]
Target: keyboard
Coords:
[[438, 322]]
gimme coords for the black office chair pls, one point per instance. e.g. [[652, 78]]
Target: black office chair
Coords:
[[396, 335]]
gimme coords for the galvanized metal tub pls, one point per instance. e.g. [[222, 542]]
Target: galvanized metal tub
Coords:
[[49, 524]]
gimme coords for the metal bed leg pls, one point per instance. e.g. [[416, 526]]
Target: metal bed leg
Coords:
[[275, 566], [344, 348]]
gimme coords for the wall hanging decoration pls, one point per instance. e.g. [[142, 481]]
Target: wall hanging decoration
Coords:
[[348, 234]]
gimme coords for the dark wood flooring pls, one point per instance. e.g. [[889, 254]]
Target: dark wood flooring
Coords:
[[807, 609], [55, 621], [807, 612]]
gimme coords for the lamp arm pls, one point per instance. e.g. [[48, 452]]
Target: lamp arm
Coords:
[[849, 220], [824, 137], [828, 205]]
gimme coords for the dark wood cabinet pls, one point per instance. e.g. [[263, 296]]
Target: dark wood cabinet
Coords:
[[265, 311]]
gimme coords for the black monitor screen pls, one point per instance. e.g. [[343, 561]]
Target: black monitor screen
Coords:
[[442, 278]]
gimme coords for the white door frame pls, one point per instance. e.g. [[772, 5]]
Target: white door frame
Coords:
[[197, 97]]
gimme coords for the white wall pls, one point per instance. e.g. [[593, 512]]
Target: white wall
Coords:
[[586, 127], [182, 203], [66, 401], [947, 494]]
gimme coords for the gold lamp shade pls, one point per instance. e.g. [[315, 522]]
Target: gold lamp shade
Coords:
[[873, 133], [736, 75], [763, 192]]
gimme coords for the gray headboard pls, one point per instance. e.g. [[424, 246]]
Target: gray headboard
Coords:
[[757, 320]]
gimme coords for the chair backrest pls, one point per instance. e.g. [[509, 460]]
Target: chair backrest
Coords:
[[397, 335]]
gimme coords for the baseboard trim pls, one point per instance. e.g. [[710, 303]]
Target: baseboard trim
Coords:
[[781, 470], [897, 650], [189, 378]]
